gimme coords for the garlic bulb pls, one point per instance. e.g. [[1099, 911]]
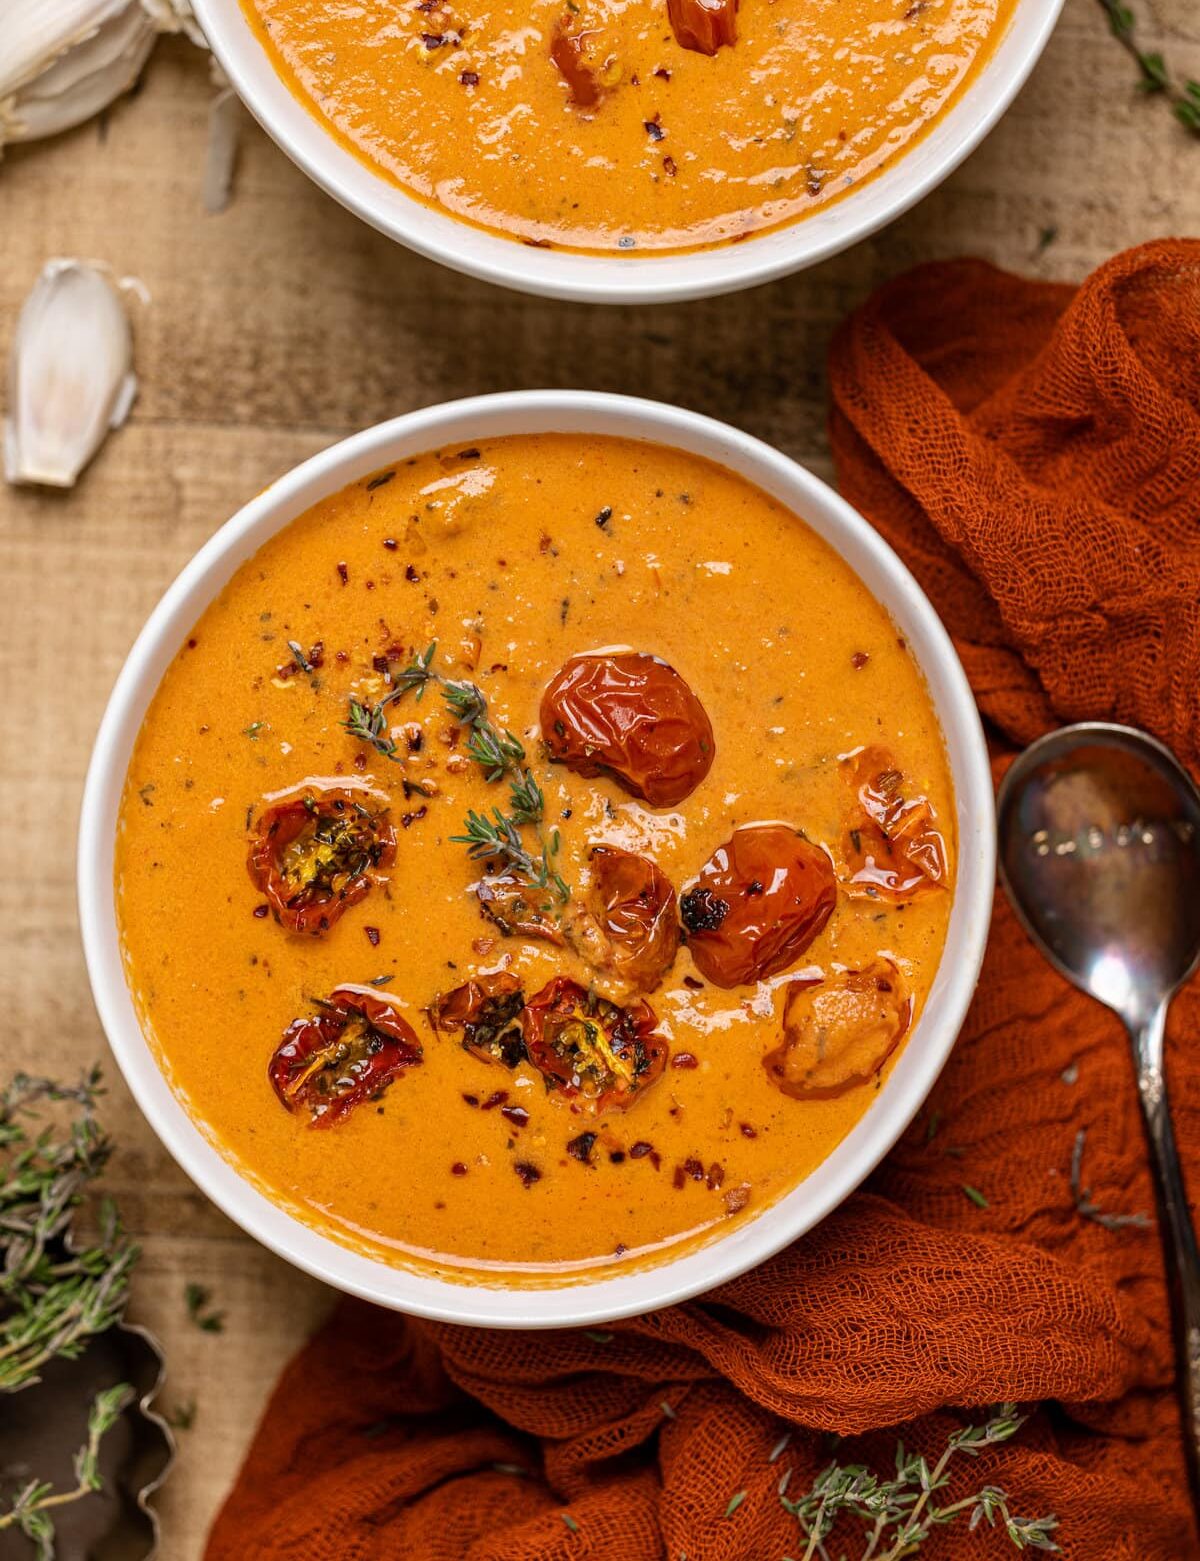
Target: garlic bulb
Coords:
[[70, 374], [61, 61]]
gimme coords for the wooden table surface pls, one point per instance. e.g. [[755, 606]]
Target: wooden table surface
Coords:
[[283, 324]]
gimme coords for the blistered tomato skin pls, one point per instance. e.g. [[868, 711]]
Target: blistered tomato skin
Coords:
[[757, 904], [568, 50], [315, 855], [637, 917], [348, 1052], [629, 715], [591, 1051], [893, 848], [703, 25], [487, 1010], [838, 1032]]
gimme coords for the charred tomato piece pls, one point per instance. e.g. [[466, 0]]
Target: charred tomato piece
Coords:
[[632, 930], [601, 1055], [315, 854], [703, 25], [520, 909], [568, 50], [487, 1010], [840, 1031], [757, 904], [629, 715], [893, 847], [348, 1052]]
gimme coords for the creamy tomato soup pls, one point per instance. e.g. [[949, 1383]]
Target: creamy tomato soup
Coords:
[[534, 857], [629, 125]]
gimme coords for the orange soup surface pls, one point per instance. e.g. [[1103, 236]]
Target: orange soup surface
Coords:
[[629, 125], [535, 857]]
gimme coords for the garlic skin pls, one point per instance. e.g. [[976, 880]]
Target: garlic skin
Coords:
[[62, 61], [70, 374]]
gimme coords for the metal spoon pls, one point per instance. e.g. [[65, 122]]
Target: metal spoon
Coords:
[[1100, 855]]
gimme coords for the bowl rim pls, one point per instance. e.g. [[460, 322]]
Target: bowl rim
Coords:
[[630, 278], [582, 1300]]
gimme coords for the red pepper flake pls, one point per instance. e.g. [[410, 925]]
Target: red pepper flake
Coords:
[[663, 73], [527, 1172], [616, 1156], [496, 1098], [684, 1060], [458, 1169], [716, 1175], [391, 544], [360, 761], [640, 1150], [517, 1115], [344, 573], [669, 167], [693, 1168], [471, 1100], [694, 983], [581, 1148], [192, 644], [653, 129], [372, 936], [436, 40], [469, 78], [414, 737], [678, 1180], [544, 542], [746, 1130], [538, 243], [408, 819], [859, 660], [410, 574], [262, 910], [737, 1197]]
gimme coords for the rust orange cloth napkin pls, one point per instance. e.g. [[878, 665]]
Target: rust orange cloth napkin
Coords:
[[1033, 452]]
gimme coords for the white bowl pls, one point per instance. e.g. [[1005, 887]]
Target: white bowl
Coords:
[[580, 1301], [630, 279]]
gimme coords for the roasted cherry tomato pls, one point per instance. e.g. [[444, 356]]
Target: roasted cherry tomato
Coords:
[[568, 50], [487, 1010], [840, 1031], [629, 715], [520, 909], [633, 935], [315, 854], [893, 848], [601, 1055], [703, 25], [757, 904], [347, 1053]]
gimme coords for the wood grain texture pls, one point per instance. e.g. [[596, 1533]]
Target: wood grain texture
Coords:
[[283, 324]]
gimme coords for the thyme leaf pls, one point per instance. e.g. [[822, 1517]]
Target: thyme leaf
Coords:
[[1155, 78]]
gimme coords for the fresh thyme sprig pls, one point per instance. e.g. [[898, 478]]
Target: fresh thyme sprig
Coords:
[[1084, 1202], [497, 752], [30, 1512], [899, 1514], [1156, 78], [54, 1298]]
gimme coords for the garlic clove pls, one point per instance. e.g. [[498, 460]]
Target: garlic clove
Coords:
[[70, 374], [61, 61]]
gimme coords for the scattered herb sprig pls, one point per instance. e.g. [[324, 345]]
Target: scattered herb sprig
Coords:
[[497, 752], [899, 1514], [1155, 76], [53, 1298], [1083, 1195], [196, 1298]]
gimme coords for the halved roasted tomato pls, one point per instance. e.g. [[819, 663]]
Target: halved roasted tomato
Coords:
[[601, 1055], [894, 847], [703, 25], [840, 1031], [632, 933], [314, 854], [347, 1052], [757, 904], [487, 1010], [629, 715], [519, 908]]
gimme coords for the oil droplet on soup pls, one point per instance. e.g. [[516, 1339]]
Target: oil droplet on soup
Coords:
[[535, 857]]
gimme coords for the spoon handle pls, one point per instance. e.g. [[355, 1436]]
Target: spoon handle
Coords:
[[1180, 1253]]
